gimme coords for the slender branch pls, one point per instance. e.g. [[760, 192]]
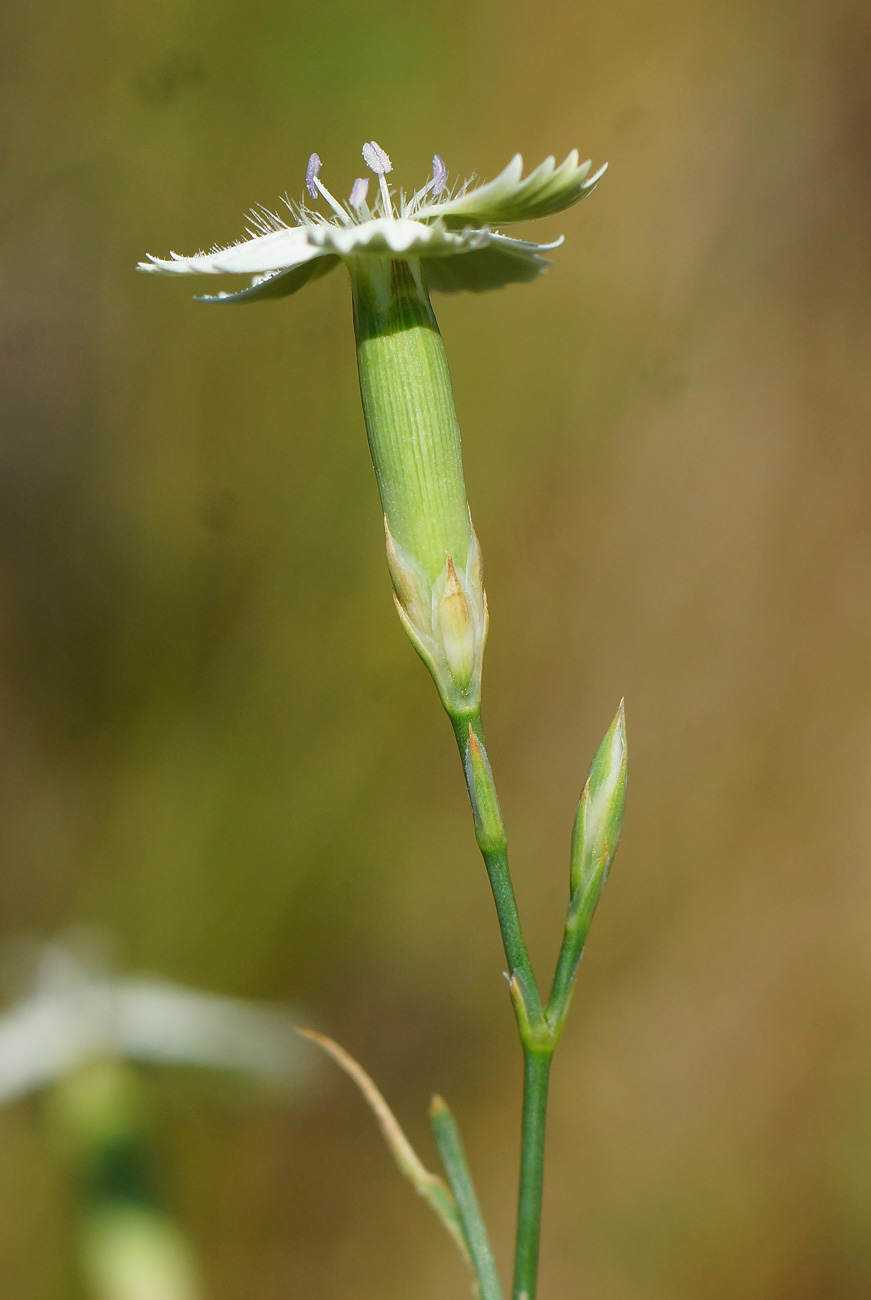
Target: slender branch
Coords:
[[536, 1076], [578, 921], [563, 979]]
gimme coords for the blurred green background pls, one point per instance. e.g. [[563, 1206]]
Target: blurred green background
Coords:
[[217, 745]]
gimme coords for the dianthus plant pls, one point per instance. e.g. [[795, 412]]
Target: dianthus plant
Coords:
[[397, 249]]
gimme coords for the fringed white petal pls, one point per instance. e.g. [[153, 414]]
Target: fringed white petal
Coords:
[[509, 199], [277, 251], [285, 250], [278, 284]]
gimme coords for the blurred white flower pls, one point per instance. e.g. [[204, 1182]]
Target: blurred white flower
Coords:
[[76, 1012]]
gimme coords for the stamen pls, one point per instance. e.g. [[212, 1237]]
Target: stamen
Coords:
[[359, 190], [377, 161], [439, 174], [311, 175], [315, 187]]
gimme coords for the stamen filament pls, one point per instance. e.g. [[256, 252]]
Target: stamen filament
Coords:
[[385, 195], [334, 203]]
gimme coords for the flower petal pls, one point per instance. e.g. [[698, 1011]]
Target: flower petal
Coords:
[[501, 261], [278, 284], [509, 199], [277, 251]]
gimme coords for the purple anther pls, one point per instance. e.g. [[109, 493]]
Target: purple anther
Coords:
[[376, 159], [439, 174], [311, 175], [359, 190]]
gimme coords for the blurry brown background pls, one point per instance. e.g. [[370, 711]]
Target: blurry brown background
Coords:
[[217, 745]]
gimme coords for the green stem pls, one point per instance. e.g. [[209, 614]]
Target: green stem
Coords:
[[494, 850], [578, 921], [536, 1076], [566, 967], [537, 1035]]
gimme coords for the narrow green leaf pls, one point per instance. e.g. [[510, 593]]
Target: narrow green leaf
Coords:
[[449, 1143]]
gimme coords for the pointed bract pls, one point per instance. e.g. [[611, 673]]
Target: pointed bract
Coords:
[[489, 825], [446, 620]]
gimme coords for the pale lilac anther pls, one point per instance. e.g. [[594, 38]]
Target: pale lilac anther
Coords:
[[359, 190], [311, 175], [376, 159], [439, 174]]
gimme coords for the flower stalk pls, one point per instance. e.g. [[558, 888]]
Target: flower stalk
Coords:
[[129, 1245]]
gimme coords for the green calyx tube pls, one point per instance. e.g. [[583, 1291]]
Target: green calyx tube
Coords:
[[433, 553]]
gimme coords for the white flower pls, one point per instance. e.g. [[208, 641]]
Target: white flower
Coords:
[[451, 232]]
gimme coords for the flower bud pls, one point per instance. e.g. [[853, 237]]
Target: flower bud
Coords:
[[599, 819]]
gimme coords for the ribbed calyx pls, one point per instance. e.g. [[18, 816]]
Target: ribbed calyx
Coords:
[[433, 554]]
